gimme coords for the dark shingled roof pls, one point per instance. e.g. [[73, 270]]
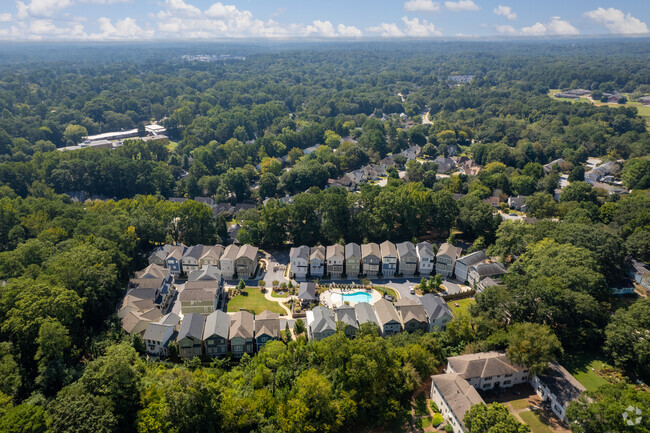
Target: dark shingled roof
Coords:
[[192, 326], [561, 383]]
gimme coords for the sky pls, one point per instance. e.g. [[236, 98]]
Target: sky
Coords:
[[99, 20]]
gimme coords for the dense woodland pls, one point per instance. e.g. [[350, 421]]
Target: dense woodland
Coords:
[[66, 364]]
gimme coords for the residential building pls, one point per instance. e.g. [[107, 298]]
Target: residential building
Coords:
[[352, 260], [557, 386], [518, 203], [174, 258], [347, 315], [389, 321], [317, 261], [215, 334], [388, 258], [190, 336], [171, 319], [227, 261], [211, 255], [488, 282], [412, 315], [190, 259], [267, 328], [299, 261], [246, 261], [320, 323], [158, 255], [426, 258], [335, 257], [370, 259], [135, 322], [207, 278], [482, 270], [454, 397], [487, 370], [365, 314], [205, 200], [446, 259], [199, 300], [464, 263], [307, 293], [493, 201], [157, 337], [437, 311], [408, 258], [559, 162], [242, 328], [445, 164], [641, 274]]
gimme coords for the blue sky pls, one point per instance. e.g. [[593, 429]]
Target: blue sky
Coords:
[[287, 19]]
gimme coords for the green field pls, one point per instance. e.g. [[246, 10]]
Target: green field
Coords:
[[254, 301], [536, 425], [463, 306], [387, 290], [643, 110], [282, 296], [583, 367]]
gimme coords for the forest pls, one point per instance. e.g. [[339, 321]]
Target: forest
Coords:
[[237, 134]]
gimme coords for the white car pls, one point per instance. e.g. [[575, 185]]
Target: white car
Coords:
[[412, 289]]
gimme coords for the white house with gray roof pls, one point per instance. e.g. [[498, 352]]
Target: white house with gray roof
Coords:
[[557, 386], [335, 256], [487, 370], [320, 323], [483, 270], [299, 261], [227, 261], [426, 258], [157, 337], [454, 397], [317, 261], [389, 321], [215, 334], [437, 311], [464, 263], [408, 258], [446, 259], [348, 316], [190, 336]]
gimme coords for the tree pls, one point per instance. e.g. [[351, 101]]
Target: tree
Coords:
[[241, 285], [577, 174], [541, 205], [532, 345], [25, 418], [53, 349], [580, 192], [638, 244], [268, 185], [493, 418], [636, 174], [236, 181], [9, 371], [74, 133], [299, 327], [75, 410], [626, 339]]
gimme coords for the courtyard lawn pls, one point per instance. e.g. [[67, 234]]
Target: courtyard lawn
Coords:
[[463, 306], [282, 296], [522, 403], [583, 366], [254, 301], [387, 291], [536, 425]]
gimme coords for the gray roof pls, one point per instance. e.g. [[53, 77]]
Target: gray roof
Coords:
[[230, 252], [411, 309], [457, 392], [406, 248], [152, 271], [365, 313], [370, 249], [561, 383], [202, 294], [242, 325], [323, 320], [192, 327], [317, 253], [267, 323], [336, 250], [216, 250], [388, 249], [301, 252], [176, 252], [195, 252], [473, 258], [352, 250], [156, 332], [209, 272], [248, 251], [483, 364], [307, 291], [424, 248], [217, 323], [347, 315], [170, 319], [385, 312], [435, 306], [489, 269], [449, 250]]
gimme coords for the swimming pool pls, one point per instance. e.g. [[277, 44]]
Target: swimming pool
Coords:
[[354, 297]]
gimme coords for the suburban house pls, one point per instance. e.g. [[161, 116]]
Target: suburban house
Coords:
[[299, 261], [190, 336], [445, 164], [170, 319], [135, 322], [464, 263], [437, 311], [388, 258], [446, 259], [320, 323], [267, 328], [157, 337], [246, 261], [408, 258], [412, 314], [426, 258], [207, 279], [389, 321], [227, 261], [365, 314], [557, 386], [482, 270], [370, 259], [488, 282], [173, 259], [215, 334], [190, 259], [317, 261], [517, 203], [487, 370], [159, 255], [493, 201], [138, 309], [242, 327], [335, 257], [559, 162], [454, 397], [307, 293], [641, 274], [348, 316], [211, 255], [205, 200], [352, 260], [157, 278]]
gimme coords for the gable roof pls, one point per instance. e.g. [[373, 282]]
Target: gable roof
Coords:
[[457, 392], [411, 309], [157, 332], [473, 258], [406, 248], [301, 252], [176, 252], [307, 291], [449, 250], [424, 249], [152, 271], [385, 312], [203, 294], [194, 252], [267, 323], [209, 272], [352, 250], [347, 315], [242, 325], [213, 250], [323, 320], [217, 324], [370, 249], [365, 313], [336, 250], [435, 307], [247, 251], [317, 253], [388, 249], [561, 383], [230, 253], [191, 327], [170, 319], [489, 269], [483, 364]]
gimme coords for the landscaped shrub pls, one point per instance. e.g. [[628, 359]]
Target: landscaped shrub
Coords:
[[437, 419], [434, 406]]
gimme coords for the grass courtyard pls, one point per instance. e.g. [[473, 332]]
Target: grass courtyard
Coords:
[[463, 306], [536, 425], [254, 301], [585, 366]]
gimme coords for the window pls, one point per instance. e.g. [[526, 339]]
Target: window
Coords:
[[524, 378], [508, 375], [488, 378], [507, 382], [487, 385]]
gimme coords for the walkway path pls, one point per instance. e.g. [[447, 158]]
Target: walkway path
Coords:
[[280, 301]]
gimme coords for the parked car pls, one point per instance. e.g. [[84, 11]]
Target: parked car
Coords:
[[412, 289]]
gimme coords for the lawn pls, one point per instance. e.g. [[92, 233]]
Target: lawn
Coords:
[[583, 366], [387, 290], [536, 425], [282, 296], [463, 306], [254, 301], [522, 403]]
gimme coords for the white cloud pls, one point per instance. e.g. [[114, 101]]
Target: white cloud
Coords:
[[46, 29], [349, 31], [41, 8], [462, 5], [506, 11], [616, 21], [412, 28], [555, 27], [506, 30], [322, 28], [126, 28], [421, 6], [104, 2], [5, 18], [387, 30]]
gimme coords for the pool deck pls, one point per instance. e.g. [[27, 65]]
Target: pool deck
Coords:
[[332, 297]]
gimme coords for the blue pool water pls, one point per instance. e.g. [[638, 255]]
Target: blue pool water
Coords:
[[357, 297]]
